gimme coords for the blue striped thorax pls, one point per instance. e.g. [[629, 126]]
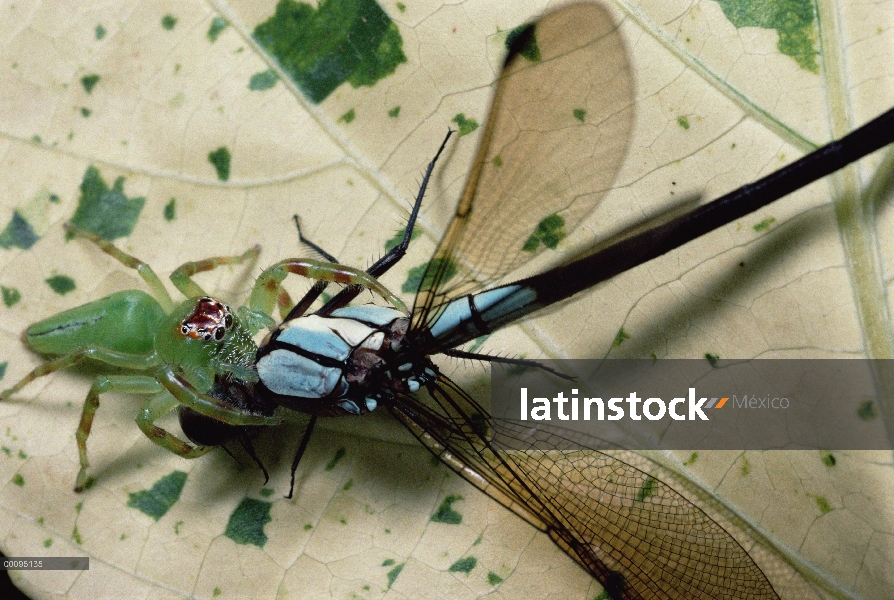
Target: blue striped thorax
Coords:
[[338, 364]]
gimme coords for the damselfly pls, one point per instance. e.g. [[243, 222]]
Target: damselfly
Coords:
[[539, 164]]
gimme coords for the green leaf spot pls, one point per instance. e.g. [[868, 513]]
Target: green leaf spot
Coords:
[[494, 579], [745, 469], [393, 573], [866, 410], [394, 112], [712, 359], [348, 116], [61, 284], [54, 198], [266, 492], [22, 454], [479, 341], [216, 592], [108, 213], [549, 232], [339, 40], [829, 459], [100, 32], [168, 22], [76, 535], [388, 562], [793, 20], [523, 40], [86, 112], [217, 26], [348, 485], [445, 512], [163, 494], [465, 125], [683, 122], [247, 522], [18, 233], [398, 237], [765, 224], [263, 80], [620, 337], [6, 450], [308, 527], [220, 158], [11, 296], [3, 366], [436, 271], [579, 114], [48, 542], [823, 504], [401, 6], [18, 480], [339, 454], [603, 596], [647, 490], [691, 460], [177, 527], [170, 211], [89, 82], [463, 565], [498, 161]]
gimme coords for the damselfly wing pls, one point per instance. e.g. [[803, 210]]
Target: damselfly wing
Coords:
[[554, 140]]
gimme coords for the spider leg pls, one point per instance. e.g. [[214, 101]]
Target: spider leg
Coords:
[[182, 275], [208, 405], [157, 406], [266, 288], [137, 362], [162, 403], [144, 270]]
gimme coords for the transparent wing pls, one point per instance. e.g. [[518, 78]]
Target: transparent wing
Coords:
[[639, 537], [554, 141]]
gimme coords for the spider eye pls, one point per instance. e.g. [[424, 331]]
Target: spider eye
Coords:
[[207, 337], [228, 321], [219, 333]]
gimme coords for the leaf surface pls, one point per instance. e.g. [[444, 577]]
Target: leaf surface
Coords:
[[178, 105]]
